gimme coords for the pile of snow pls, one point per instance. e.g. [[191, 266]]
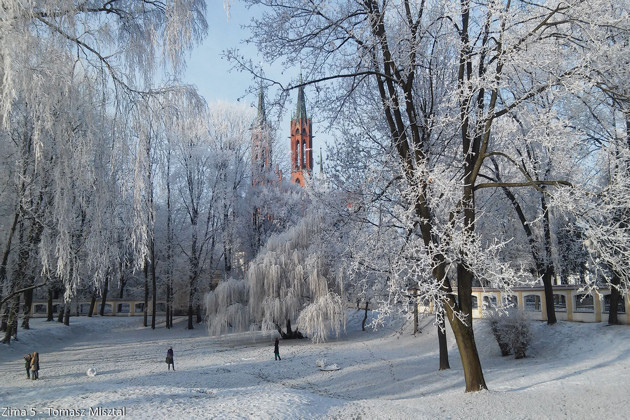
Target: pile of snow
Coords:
[[573, 370], [91, 372]]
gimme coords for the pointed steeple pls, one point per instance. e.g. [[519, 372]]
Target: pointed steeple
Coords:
[[301, 103], [261, 118]]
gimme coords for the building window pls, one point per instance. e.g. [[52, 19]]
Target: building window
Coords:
[[475, 302], [584, 303], [621, 306], [108, 308], [123, 308], [138, 307], [489, 301], [532, 303], [297, 154], [560, 302], [511, 301]]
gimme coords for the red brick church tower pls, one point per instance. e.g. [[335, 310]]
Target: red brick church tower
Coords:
[[301, 142]]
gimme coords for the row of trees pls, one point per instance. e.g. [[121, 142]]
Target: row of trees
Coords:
[[111, 177]]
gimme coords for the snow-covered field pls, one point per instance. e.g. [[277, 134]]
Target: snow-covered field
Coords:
[[574, 371]]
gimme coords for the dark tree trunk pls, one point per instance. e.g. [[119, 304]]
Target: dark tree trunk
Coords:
[[613, 311], [49, 305], [92, 304], [468, 352], [549, 271], [190, 317], [415, 312], [444, 363], [199, 317], [66, 318], [12, 323], [145, 321], [289, 334], [3, 268], [62, 309], [153, 287], [104, 297], [168, 305], [28, 304], [364, 316], [5, 317], [551, 309]]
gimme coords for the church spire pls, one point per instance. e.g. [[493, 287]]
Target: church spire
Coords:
[[261, 118], [301, 103], [301, 141]]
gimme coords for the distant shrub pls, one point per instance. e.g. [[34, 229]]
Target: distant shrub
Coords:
[[511, 331]]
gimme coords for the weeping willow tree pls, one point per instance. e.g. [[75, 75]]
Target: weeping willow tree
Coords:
[[292, 281]]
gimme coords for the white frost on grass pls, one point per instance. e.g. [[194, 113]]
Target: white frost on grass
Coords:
[[573, 370]]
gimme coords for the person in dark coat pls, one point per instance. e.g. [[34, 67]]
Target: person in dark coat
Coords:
[[169, 358], [276, 349], [27, 365], [35, 365]]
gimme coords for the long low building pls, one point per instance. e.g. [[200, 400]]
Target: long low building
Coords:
[[570, 304]]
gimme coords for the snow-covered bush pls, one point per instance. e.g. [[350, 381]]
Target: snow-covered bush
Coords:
[[511, 331]]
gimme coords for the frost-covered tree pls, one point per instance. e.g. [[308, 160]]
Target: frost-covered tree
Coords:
[[445, 80], [294, 281], [88, 62]]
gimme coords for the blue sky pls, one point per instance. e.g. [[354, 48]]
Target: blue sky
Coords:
[[207, 69]]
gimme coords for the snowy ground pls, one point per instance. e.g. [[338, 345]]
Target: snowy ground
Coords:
[[574, 371]]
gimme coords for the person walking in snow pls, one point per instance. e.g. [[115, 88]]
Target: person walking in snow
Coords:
[[169, 358], [35, 366], [27, 365], [276, 349]]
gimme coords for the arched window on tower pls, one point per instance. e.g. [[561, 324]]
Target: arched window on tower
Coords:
[[297, 154]]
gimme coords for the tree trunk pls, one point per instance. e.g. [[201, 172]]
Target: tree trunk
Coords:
[[190, 317], [28, 304], [66, 318], [548, 273], [168, 305], [49, 305], [471, 364], [415, 312], [61, 313], [169, 243], [11, 330], [364, 316], [199, 317], [444, 363], [92, 304], [146, 294], [104, 298], [3, 268], [5, 317], [614, 300], [153, 285]]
